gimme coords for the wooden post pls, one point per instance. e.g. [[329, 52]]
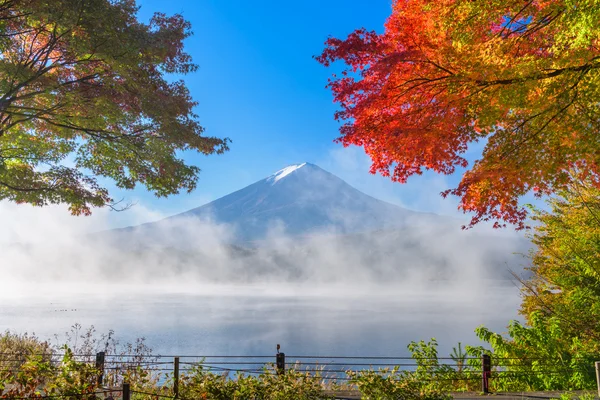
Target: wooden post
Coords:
[[280, 361], [126, 391], [597, 365], [486, 369], [100, 367], [176, 377]]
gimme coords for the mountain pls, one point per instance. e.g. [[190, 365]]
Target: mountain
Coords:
[[301, 224], [297, 200]]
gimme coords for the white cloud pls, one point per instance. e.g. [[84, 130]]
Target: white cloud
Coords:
[[25, 223]]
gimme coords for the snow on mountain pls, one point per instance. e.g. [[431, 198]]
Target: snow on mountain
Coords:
[[282, 173]]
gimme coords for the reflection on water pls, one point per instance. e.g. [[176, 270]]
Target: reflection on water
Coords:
[[251, 321]]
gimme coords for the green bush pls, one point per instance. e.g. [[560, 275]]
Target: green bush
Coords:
[[199, 383], [530, 358]]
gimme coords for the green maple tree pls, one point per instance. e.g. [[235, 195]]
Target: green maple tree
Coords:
[[84, 94]]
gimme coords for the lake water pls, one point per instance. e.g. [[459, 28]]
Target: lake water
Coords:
[[228, 320]]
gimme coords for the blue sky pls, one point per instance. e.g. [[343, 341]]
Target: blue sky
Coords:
[[259, 85]]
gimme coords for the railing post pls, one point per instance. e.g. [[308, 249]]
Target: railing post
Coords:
[[176, 377], [597, 365], [486, 369], [280, 361], [126, 391], [100, 367]]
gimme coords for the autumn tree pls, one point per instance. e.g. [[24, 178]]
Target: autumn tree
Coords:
[[84, 94], [561, 299], [566, 264], [521, 77]]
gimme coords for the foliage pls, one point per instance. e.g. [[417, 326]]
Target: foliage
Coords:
[[59, 371], [200, 383], [440, 376], [83, 94], [566, 264], [538, 357], [530, 358], [575, 396], [393, 384], [459, 357], [520, 77], [561, 300], [431, 379], [14, 348], [37, 375], [29, 366], [131, 362]]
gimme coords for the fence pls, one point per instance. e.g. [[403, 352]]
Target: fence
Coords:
[[324, 368], [328, 367]]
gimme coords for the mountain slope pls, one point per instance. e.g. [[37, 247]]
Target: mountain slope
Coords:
[[300, 199]]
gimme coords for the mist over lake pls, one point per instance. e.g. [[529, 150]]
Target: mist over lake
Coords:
[[251, 320]]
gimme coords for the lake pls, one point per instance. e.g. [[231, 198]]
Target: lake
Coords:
[[251, 320]]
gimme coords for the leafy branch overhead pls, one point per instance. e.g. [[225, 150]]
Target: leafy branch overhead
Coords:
[[521, 77], [83, 95]]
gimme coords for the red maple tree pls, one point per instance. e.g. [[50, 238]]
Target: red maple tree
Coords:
[[522, 77]]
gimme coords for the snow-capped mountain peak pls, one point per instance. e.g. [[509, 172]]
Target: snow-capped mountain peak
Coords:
[[303, 199], [282, 173]]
